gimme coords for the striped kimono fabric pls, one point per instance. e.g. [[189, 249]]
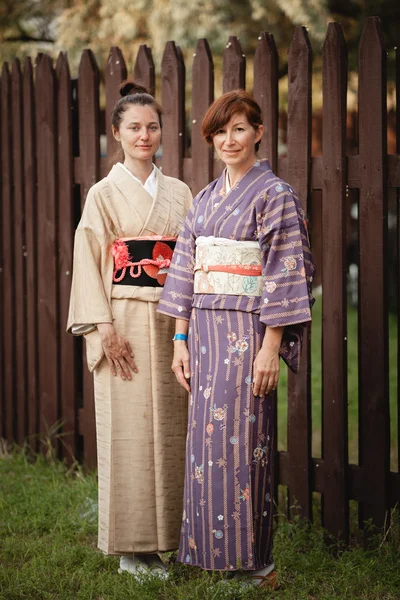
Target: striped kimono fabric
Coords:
[[228, 497]]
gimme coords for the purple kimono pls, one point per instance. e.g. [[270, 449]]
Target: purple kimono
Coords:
[[228, 503]]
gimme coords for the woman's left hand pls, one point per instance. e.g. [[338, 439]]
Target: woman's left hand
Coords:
[[265, 372]]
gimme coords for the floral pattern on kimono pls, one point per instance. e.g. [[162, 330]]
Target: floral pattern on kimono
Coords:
[[228, 498]]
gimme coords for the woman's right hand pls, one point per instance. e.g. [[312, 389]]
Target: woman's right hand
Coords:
[[118, 351], [180, 363]]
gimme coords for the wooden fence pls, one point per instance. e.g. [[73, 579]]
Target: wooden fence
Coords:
[[50, 156]]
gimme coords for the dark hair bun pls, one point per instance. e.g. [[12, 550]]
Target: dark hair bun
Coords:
[[128, 87]]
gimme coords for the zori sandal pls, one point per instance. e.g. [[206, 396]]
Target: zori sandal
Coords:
[[269, 581]]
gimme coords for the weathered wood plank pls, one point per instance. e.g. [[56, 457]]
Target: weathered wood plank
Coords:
[[89, 148], [66, 227], [334, 299], [358, 479], [266, 94], [398, 245], [30, 182], [374, 432], [202, 97], [299, 176], [266, 63], [19, 252], [47, 249], [173, 102], [8, 317], [353, 171], [234, 66], [144, 71], [7, 225], [115, 74], [2, 397]]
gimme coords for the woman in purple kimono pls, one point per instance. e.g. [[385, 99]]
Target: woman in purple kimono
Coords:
[[239, 286]]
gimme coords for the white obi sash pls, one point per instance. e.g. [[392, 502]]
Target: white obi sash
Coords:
[[225, 266]]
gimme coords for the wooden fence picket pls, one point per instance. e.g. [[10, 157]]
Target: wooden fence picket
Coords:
[[334, 279], [89, 171], [47, 248], [2, 354], [398, 245], [144, 72], [8, 290], [299, 176], [66, 227], [114, 75], [173, 102], [31, 338], [234, 66], [374, 437], [266, 94], [19, 250], [202, 97]]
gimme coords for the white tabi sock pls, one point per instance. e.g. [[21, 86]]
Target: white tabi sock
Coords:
[[132, 564], [156, 565]]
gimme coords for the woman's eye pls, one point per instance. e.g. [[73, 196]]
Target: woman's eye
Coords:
[[220, 131], [134, 128], [239, 128], [154, 128]]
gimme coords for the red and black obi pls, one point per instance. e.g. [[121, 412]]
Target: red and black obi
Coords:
[[142, 261]]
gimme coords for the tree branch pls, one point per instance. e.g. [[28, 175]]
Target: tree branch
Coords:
[[24, 38]]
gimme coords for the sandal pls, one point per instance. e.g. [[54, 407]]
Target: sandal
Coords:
[[266, 581]]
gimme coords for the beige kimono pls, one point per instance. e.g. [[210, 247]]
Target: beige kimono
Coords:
[[141, 424]]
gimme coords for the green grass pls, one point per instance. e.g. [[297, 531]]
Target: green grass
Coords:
[[48, 526], [48, 530], [352, 383]]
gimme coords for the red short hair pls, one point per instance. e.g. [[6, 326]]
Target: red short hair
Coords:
[[222, 110]]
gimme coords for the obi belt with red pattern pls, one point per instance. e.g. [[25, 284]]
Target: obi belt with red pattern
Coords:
[[142, 261]]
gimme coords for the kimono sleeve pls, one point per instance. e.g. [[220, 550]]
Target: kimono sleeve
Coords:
[[287, 270], [177, 295], [89, 303]]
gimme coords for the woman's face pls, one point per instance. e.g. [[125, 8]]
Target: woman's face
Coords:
[[139, 132], [235, 142]]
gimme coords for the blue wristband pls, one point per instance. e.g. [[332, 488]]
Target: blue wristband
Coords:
[[180, 336]]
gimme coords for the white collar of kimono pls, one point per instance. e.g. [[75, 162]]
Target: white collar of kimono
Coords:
[[150, 184], [227, 182], [228, 186]]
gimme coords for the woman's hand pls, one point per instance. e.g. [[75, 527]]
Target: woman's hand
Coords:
[[118, 351], [265, 372], [266, 365], [180, 363]]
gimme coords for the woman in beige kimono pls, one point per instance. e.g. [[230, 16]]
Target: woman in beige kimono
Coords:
[[123, 246]]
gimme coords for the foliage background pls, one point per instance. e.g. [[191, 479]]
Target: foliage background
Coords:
[[31, 26]]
